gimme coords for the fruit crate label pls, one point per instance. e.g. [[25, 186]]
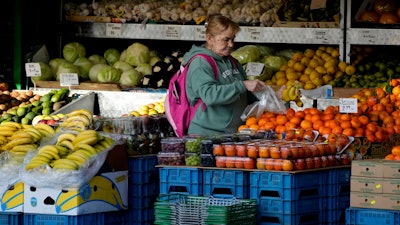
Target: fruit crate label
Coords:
[[32, 70], [113, 30], [254, 69], [172, 32], [367, 36], [253, 33], [69, 79], [348, 105]]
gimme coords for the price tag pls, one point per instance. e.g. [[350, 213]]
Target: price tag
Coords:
[[318, 4], [113, 30], [348, 105], [172, 32], [254, 69], [200, 33], [253, 33], [367, 36], [33, 69], [69, 79], [321, 36]]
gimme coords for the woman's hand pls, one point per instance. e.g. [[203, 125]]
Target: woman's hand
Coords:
[[254, 85]]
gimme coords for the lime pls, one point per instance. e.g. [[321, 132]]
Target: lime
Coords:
[[46, 111], [30, 115], [25, 121]]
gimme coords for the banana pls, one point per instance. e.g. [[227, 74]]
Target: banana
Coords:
[[299, 103], [7, 132], [49, 148], [12, 124], [45, 127], [67, 144], [81, 118], [3, 140], [48, 155], [66, 137], [36, 135], [24, 148], [24, 126], [65, 164], [85, 152], [20, 134], [86, 147], [292, 93], [75, 124], [77, 158], [99, 147], [8, 128], [285, 95], [20, 141], [87, 137], [84, 112], [34, 165], [63, 151]]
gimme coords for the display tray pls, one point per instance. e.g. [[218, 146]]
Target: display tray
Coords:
[[93, 19], [81, 86]]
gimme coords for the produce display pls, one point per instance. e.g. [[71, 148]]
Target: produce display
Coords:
[[254, 12], [380, 12]]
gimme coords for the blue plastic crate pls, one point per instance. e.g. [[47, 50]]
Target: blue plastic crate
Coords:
[[274, 205], [361, 216], [340, 175], [144, 177], [333, 215], [48, 219], [286, 219], [138, 202], [226, 183], [141, 216], [116, 218], [335, 202], [140, 190], [11, 218], [143, 163], [181, 180], [286, 186], [336, 189]]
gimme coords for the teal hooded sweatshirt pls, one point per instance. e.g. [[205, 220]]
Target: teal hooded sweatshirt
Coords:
[[225, 98]]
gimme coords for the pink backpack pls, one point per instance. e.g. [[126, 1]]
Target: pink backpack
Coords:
[[177, 108]]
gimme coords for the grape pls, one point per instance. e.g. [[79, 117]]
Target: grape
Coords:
[[192, 159], [173, 145], [193, 145]]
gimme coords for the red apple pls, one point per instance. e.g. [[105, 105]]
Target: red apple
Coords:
[[324, 162], [309, 163], [345, 159], [300, 164], [317, 162]]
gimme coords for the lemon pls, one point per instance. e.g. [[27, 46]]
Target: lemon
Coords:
[[331, 70], [304, 78], [309, 85], [319, 52], [335, 53], [320, 70], [290, 70], [308, 70], [143, 108], [280, 74], [326, 78], [152, 112], [326, 56], [314, 75], [305, 61], [329, 49], [318, 82], [292, 76], [297, 56], [342, 66], [313, 63], [299, 67], [135, 113], [291, 63], [350, 70], [283, 68], [281, 81], [309, 53]]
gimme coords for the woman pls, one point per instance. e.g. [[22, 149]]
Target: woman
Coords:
[[227, 97]]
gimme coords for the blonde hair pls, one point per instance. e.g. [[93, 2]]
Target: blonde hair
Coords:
[[218, 23]]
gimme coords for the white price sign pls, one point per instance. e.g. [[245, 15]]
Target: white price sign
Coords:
[[113, 30], [33, 69], [348, 105], [368, 37], [253, 33], [69, 79], [200, 33], [172, 32], [254, 69]]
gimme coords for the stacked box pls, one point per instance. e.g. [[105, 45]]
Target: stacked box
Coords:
[[181, 180], [226, 183], [11, 218], [39, 219], [361, 216], [12, 198], [287, 198], [336, 197]]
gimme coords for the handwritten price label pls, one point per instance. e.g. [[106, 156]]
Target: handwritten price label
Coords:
[[69, 79], [254, 69], [348, 105], [33, 70], [113, 30]]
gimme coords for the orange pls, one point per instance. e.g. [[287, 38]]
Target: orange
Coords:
[[318, 124], [396, 150], [344, 117], [325, 130], [255, 127], [280, 129], [372, 127], [327, 116], [281, 119], [261, 122], [296, 120], [299, 114], [315, 117], [345, 124], [290, 126], [389, 157], [364, 120], [290, 112], [241, 127], [269, 125], [306, 124], [251, 120], [348, 131], [337, 130]]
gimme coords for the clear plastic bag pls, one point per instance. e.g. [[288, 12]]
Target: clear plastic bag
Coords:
[[267, 101]]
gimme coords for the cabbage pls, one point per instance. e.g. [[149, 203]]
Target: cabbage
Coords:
[[288, 53], [66, 67], [265, 50], [144, 68], [131, 77], [46, 73], [54, 63], [94, 71], [137, 53], [73, 50], [84, 65], [123, 66], [97, 59], [109, 74], [122, 57], [154, 59], [247, 53], [112, 55], [274, 62]]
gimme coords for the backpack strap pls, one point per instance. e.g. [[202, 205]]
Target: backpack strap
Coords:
[[209, 59]]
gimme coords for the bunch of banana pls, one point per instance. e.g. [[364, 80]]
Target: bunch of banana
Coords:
[[71, 150], [292, 93], [78, 120]]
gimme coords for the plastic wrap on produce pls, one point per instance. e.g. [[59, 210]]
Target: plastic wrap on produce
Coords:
[[115, 104], [9, 169]]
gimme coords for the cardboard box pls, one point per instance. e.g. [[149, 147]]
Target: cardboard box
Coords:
[[12, 199], [367, 168], [366, 184], [103, 193], [391, 186], [361, 148], [391, 169], [365, 200]]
